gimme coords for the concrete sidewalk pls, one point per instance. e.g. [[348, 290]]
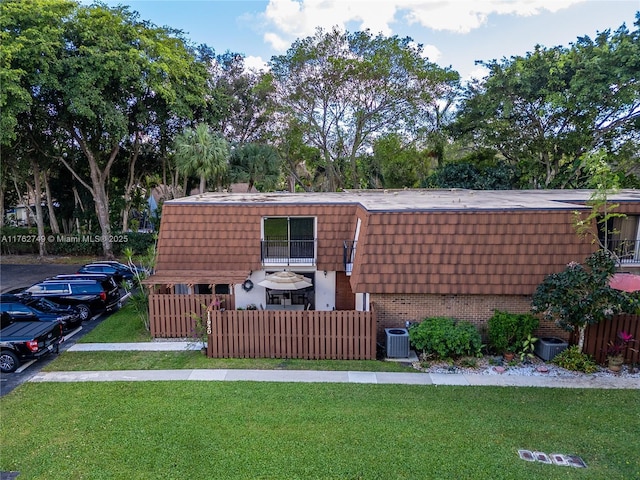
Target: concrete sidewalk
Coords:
[[315, 376]]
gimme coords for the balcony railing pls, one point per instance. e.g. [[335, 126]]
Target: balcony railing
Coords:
[[628, 251], [348, 255], [288, 252]]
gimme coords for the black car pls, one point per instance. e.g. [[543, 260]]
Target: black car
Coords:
[[19, 308], [88, 295], [131, 268], [119, 272]]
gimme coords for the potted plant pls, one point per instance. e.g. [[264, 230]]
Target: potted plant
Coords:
[[616, 350]]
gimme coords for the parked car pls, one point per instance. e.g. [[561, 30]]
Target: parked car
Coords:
[[24, 308], [21, 341], [88, 295], [120, 274], [131, 268]]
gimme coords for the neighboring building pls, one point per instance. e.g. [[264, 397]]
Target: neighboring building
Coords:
[[20, 216], [411, 253]]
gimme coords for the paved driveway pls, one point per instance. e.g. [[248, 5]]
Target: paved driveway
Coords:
[[9, 381], [16, 276]]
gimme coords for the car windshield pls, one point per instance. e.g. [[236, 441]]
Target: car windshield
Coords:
[[46, 305]]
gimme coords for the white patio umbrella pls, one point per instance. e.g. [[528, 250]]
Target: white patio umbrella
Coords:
[[285, 281]]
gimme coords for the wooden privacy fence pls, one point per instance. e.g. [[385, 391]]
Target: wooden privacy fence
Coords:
[[598, 336], [338, 334], [172, 315]]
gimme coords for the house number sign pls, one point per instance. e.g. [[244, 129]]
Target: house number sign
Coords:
[[209, 323]]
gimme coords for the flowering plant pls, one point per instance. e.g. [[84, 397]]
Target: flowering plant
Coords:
[[617, 347]]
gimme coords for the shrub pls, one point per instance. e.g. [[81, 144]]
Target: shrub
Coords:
[[508, 331], [23, 241], [573, 359], [444, 337]]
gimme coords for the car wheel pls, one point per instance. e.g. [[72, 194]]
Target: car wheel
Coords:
[[8, 361], [84, 311]]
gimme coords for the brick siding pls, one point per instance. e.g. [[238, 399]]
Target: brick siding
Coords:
[[395, 310]]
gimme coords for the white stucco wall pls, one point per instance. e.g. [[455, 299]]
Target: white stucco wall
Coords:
[[325, 291], [325, 297]]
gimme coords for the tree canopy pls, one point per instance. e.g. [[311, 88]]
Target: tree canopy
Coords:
[[107, 78], [345, 89], [96, 101], [545, 110]]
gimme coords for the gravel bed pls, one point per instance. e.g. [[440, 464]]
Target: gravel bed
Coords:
[[534, 368]]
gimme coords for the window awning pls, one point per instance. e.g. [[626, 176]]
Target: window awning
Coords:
[[175, 277]]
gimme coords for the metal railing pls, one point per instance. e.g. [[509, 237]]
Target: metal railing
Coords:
[[628, 251], [348, 255], [288, 252]]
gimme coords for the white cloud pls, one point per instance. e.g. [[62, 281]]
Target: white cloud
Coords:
[[432, 53], [464, 16], [477, 73], [255, 63], [291, 19]]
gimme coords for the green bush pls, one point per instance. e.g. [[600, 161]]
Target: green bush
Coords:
[[573, 359], [19, 240], [24, 241], [508, 331], [138, 242], [444, 337]]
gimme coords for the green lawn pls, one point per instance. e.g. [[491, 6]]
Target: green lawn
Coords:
[[241, 430], [246, 430], [121, 326], [78, 361], [125, 326]]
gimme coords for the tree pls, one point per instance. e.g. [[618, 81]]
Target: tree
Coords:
[[345, 89], [474, 175], [201, 152], [31, 36], [256, 164], [580, 295], [604, 182], [396, 163], [545, 110], [239, 103], [103, 77]]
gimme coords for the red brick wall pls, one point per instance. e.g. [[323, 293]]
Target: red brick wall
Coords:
[[394, 310]]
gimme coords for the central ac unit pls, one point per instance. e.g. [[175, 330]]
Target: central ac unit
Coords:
[[397, 342], [548, 347]]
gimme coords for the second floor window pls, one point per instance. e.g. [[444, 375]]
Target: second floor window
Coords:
[[624, 238], [289, 237]]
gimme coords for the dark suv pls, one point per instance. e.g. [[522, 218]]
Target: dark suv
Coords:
[[24, 308], [88, 295], [121, 274]]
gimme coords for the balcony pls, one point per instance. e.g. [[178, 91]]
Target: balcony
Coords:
[[284, 252], [627, 251], [348, 255]]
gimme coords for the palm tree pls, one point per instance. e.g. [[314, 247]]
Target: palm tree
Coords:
[[202, 152], [256, 163]]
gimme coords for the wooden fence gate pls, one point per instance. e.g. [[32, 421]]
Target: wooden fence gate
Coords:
[[173, 315]]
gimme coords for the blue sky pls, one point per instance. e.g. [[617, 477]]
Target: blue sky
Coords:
[[454, 33]]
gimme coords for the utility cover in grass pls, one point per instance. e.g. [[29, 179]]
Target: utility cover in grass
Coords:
[[553, 459]]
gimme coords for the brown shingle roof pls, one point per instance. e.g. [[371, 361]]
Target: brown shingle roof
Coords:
[[424, 241], [191, 277], [494, 252]]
